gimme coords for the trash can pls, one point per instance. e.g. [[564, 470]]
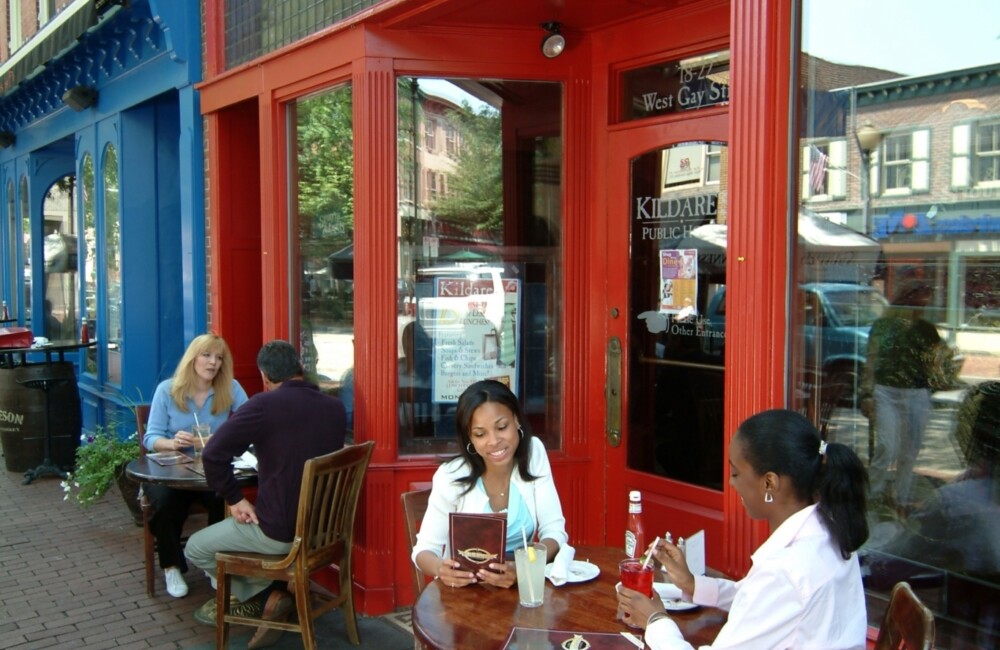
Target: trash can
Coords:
[[23, 415]]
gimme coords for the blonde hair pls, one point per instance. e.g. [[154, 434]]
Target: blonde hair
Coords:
[[185, 377]]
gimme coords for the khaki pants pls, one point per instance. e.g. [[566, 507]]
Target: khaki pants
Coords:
[[229, 535]]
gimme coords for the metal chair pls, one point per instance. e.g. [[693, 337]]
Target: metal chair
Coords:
[[907, 624], [324, 535]]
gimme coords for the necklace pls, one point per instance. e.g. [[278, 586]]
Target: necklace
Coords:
[[501, 494]]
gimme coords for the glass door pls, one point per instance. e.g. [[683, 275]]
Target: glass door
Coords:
[[668, 308]]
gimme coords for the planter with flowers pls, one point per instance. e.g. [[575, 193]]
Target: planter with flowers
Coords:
[[100, 461]]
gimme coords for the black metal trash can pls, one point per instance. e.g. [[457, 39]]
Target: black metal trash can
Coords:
[[22, 416]]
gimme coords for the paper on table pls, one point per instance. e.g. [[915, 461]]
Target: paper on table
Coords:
[[246, 461], [695, 552], [558, 571]]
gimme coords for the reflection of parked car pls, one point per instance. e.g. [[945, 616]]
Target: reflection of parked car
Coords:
[[837, 319]]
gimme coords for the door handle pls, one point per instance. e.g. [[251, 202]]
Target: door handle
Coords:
[[613, 392]]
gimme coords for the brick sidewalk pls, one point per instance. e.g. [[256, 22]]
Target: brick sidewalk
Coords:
[[73, 577]]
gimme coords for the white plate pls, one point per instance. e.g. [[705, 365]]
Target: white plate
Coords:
[[580, 571], [671, 597]]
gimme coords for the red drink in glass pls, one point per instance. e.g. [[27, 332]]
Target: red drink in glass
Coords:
[[634, 576]]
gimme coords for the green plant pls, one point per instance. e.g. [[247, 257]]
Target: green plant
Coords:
[[101, 457]]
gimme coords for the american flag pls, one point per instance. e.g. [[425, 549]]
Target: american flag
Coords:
[[817, 169]]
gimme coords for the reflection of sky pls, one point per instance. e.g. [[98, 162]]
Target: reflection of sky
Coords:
[[446, 89], [912, 37]]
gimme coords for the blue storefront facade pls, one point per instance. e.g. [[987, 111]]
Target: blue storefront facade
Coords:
[[101, 177]]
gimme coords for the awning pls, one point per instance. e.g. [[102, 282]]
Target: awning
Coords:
[[53, 39]]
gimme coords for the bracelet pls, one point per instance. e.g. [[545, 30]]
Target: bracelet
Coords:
[[654, 617]]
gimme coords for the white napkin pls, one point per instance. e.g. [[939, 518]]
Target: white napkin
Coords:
[[246, 461], [558, 570]]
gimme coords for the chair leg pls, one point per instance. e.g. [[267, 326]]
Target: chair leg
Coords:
[[223, 586], [347, 590], [147, 549], [303, 609]]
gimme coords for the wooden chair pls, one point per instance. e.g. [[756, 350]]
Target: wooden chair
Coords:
[[414, 507], [148, 540], [324, 535], [907, 623]]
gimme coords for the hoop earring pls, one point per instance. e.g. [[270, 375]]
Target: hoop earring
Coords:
[[520, 431], [469, 448], [768, 498]]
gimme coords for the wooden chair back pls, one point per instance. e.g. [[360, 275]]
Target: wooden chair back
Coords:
[[324, 535], [907, 624], [414, 507]]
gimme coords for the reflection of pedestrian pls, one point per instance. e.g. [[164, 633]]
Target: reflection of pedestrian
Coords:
[[896, 392], [958, 528]]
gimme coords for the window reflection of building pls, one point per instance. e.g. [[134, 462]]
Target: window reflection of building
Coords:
[[470, 202]]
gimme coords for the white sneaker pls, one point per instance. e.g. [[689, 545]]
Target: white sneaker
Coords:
[[176, 586]]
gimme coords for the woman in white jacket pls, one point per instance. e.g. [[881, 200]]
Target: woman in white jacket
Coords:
[[804, 589], [501, 468]]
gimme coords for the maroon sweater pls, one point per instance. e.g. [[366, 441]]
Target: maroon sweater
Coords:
[[287, 426]]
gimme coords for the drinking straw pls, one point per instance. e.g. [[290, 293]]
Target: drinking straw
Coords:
[[197, 429], [649, 556], [531, 558]]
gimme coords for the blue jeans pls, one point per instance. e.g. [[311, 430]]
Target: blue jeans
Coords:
[[901, 415]]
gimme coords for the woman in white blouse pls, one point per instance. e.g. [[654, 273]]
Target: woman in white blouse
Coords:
[[501, 467], [804, 589]]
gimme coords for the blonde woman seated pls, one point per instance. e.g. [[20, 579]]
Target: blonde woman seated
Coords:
[[804, 589], [501, 468], [202, 390]]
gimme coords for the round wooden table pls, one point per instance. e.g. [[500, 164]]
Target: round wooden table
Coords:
[[483, 617], [183, 476]]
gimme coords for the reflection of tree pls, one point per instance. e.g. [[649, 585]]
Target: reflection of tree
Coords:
[[475, 188], [326, 164]]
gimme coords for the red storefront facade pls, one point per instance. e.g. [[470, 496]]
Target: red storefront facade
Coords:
[[608, 384]]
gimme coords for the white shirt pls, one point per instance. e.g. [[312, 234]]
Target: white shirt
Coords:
[[539, 496], [799, 593]]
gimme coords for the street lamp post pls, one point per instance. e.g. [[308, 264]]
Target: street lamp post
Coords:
[[868, 140]]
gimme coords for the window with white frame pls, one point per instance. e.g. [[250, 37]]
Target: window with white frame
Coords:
[[14, 19], [824, 171], [975, 154], [429, 136], [902, 163], [691, 165]]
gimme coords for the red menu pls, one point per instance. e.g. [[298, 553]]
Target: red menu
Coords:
[[477, 539]]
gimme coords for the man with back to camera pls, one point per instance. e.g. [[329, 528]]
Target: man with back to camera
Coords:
[[289, 423]]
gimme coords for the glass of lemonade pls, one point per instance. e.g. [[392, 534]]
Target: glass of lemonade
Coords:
[[530, 575], [202, 431]]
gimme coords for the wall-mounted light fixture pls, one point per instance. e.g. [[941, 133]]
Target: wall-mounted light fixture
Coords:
[[553, 44], [80, 97], [7, 139]]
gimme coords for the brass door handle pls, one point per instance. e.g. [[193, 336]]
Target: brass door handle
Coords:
[[613, 392]]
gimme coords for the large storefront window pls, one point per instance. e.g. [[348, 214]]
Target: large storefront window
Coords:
[[26, 251], [12, 252], [113, 269], [323, 238], [60, 248], [479, 224], [896, 346], [89, 250]]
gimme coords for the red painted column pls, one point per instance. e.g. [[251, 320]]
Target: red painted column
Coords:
[[758, 261]]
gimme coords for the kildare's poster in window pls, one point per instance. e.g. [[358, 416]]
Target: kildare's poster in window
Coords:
[[678, 281]]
